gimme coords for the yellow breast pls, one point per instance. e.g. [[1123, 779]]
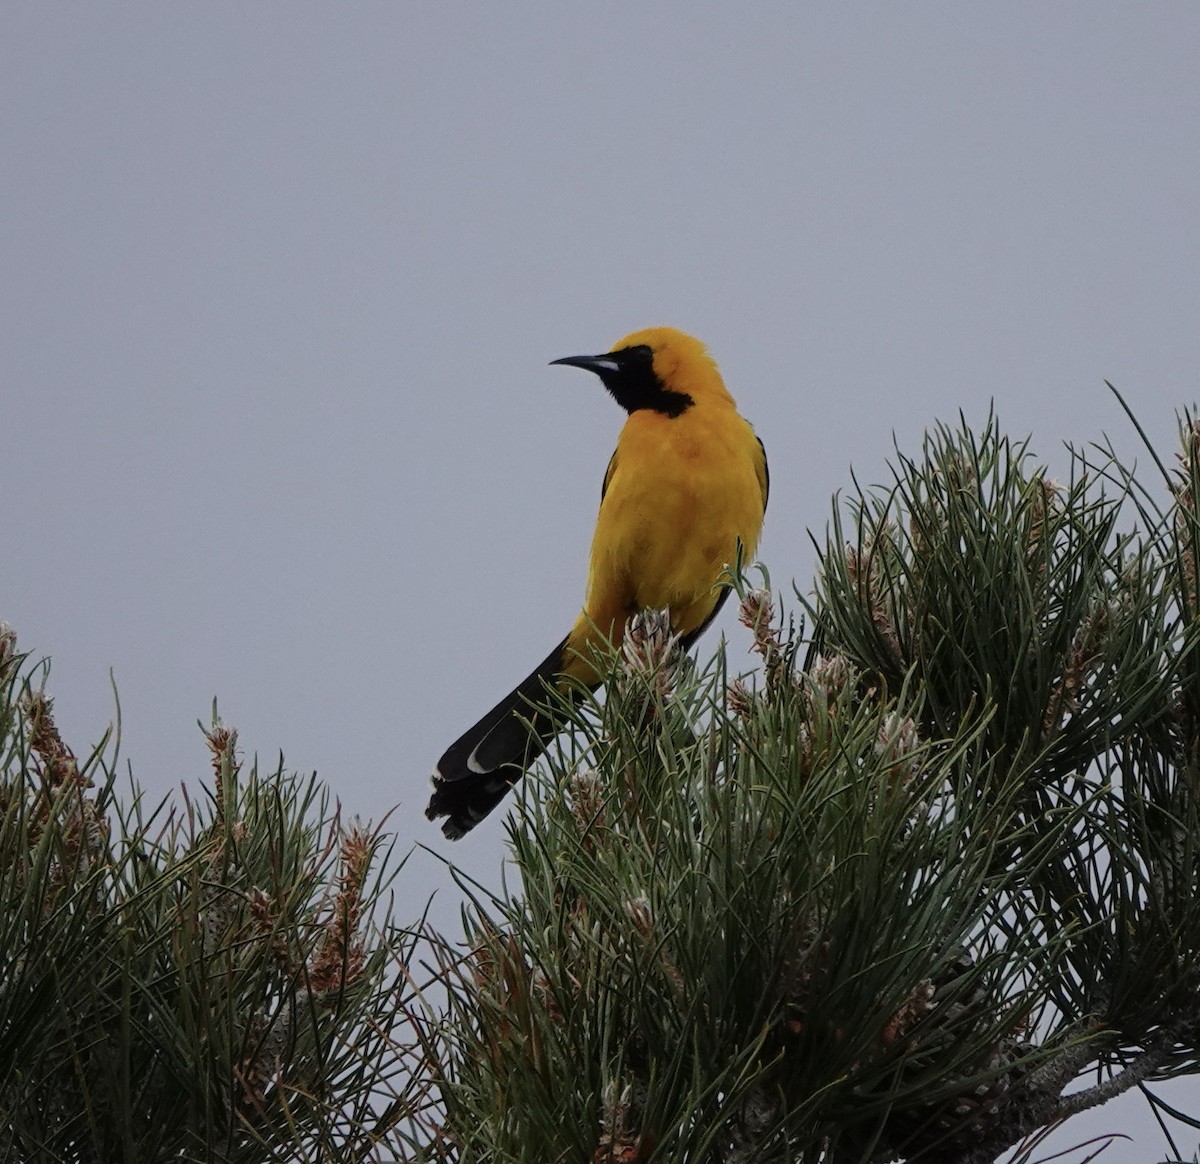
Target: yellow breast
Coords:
[[683, 492]]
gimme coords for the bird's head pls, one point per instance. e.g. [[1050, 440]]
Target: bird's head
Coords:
[[658, 368]]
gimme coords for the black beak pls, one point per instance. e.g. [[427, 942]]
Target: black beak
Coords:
[[607, 362]]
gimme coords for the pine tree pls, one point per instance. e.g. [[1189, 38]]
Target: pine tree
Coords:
[[889, 899], [207, 982], [922, 884]]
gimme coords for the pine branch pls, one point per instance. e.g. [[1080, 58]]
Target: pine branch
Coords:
[[1042, 1103]]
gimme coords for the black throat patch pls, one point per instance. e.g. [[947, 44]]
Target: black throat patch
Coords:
[[634, 385]]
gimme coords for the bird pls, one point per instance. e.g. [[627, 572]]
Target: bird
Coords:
[[684, 495]]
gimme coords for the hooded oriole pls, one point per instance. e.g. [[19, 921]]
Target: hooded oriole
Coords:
[[687, 483]]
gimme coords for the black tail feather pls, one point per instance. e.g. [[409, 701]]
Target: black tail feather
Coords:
[[477, 770]]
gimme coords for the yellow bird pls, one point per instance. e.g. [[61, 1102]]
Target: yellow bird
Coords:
[[687, 482]]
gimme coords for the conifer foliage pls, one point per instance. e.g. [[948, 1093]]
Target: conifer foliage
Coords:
[[887, 901], [920, 884], [200, 984]]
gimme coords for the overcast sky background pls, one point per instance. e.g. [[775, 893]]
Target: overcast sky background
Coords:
[[281, 282]]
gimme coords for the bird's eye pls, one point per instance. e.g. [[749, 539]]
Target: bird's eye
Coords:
[[638, 354]]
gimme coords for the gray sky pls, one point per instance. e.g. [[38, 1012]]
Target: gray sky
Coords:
[[281, 283]]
